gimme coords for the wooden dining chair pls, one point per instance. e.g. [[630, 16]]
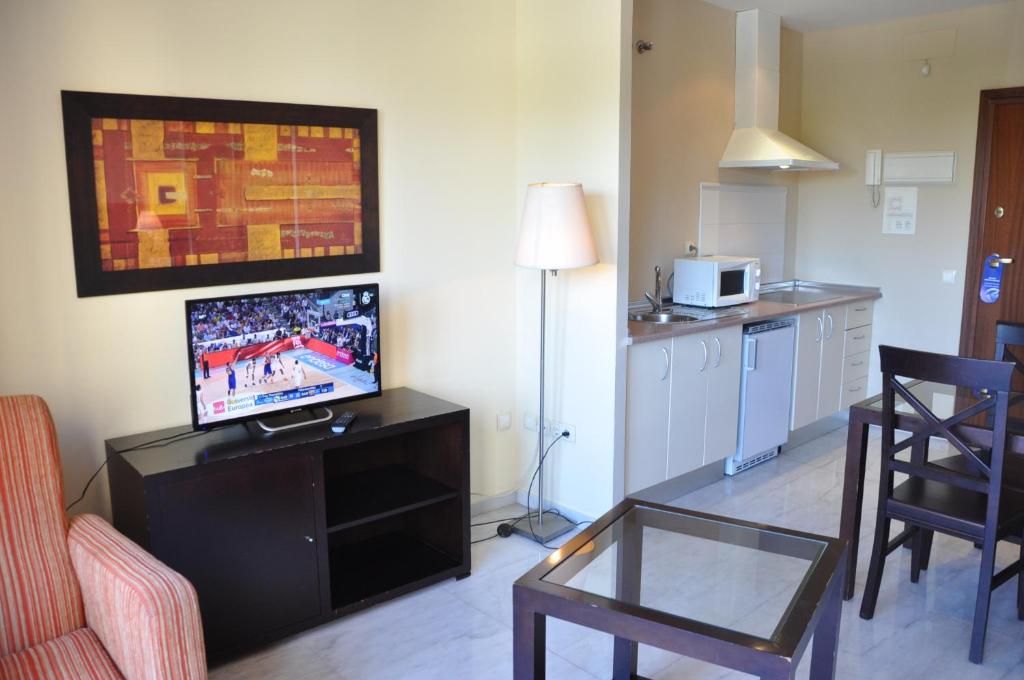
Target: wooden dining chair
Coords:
[[973, 506]]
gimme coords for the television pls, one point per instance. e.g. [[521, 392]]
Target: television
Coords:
[[280, 358]]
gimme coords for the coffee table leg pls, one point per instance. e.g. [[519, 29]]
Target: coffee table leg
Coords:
[[853, 495], [825, 644], [629, 557], [528, 642]]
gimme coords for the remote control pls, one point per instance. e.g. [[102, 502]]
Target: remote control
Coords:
[[342, 422]]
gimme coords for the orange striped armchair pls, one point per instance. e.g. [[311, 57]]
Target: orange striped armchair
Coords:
[[79, 600]]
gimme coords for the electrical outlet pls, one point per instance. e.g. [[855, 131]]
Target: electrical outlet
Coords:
[[565, 427], [504, 420], [529, 422]]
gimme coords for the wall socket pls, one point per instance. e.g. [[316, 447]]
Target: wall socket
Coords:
[[551, 428], [504, 420]]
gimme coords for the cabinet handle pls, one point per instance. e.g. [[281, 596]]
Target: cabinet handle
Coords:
[[831, 326], [859, 337], [854, 389], [705, 364], [718, 360], [668, 364], [857, 363], [821, 330], [309, 539], [860, 309]]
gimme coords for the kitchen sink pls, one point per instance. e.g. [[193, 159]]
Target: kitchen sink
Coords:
[[663, 317]]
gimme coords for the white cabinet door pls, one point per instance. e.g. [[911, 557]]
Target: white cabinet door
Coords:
[[647, 407], [723, 403], [691, 361], [830, 385], [809, 334]]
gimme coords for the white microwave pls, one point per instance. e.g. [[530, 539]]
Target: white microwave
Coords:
[[716, 280]]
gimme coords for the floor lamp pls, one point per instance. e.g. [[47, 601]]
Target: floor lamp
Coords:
[[555, 235]]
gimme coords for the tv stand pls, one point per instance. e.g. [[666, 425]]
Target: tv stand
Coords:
[[300, 418], [285, 531]]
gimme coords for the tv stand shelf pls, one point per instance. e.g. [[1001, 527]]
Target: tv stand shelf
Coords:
[[381, 492], [280, 532]]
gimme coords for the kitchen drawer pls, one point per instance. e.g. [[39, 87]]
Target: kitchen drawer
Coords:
[[859, 314], [858, 340], [853, 392], [855, 367]]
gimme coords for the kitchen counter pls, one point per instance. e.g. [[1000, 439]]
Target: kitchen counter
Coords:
[[640, 331]]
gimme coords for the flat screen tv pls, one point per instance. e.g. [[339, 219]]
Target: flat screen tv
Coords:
[[256, 357]]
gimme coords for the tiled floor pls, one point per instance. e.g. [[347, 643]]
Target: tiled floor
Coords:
[[463, 629]]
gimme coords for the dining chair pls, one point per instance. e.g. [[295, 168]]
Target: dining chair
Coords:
[[970, 505]]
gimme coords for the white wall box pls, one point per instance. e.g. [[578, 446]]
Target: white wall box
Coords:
[[932, 167]]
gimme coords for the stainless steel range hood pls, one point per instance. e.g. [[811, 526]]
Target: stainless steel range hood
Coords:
[[756, 141]]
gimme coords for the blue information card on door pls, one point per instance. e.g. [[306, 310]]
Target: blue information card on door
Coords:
[[991, 279]]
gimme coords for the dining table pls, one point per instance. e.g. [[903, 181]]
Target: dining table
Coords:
[[944, 401]]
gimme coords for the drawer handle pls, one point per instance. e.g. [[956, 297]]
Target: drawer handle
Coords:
[[858, 337], [855, 389], [860, 309], [857, 363]]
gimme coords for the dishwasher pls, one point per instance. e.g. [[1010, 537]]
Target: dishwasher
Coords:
[[766, 391]]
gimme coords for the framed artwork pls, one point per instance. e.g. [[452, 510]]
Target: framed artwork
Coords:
[[171, 192]]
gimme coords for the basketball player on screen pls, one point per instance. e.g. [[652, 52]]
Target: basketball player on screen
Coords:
[[298, 374], [232, 382], [268, 372], [280, 364], [250, 372]]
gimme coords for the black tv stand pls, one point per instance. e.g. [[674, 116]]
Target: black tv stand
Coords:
[[283, 532], [298, 418]]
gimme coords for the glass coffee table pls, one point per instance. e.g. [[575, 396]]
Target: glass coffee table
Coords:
[[737, 594]]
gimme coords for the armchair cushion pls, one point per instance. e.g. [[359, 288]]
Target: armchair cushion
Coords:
[[144, 613], [78, 654]]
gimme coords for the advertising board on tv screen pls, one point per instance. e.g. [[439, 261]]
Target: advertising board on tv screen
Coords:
[[254, 356]]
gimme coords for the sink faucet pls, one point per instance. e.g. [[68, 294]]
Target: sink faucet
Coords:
[[655, 300]]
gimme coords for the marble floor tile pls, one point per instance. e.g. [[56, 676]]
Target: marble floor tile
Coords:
[[463, 629]]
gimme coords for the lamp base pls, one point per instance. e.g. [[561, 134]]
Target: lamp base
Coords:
[[554, 526]]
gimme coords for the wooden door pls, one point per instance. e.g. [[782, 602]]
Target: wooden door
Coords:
[[648, 379], [997, 220], [723, 403], [246, 538], [830, 380], [806, 368], [691, 359]]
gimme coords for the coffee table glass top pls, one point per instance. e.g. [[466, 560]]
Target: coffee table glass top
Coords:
[[734, 576]]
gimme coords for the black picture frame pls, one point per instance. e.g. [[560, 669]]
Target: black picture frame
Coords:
[[80, 108]]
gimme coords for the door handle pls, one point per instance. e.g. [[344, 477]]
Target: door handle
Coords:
[[831, 326], [668, 364], [718, 359], [821, 330], [751, 363], [995, 261], [705, 364]]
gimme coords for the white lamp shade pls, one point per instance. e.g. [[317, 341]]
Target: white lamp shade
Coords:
[[555, 232]]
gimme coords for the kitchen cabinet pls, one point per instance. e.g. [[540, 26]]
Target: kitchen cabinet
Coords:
[[648, 380], [705, 403], [831, 361], [682, 404]]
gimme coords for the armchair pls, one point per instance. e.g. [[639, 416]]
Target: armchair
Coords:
[[79, 601]]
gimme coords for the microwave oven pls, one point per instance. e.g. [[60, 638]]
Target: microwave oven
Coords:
[[716, 280]]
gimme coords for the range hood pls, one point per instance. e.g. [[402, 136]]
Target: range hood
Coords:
[[756, 141]]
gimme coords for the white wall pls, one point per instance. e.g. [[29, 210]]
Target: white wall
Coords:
[[568, 56], [860, 93], [442, 75]]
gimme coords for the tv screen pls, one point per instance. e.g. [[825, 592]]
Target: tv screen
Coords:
[[257, 355]]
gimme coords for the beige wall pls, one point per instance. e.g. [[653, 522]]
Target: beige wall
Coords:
[[860, 93], [683, 96], [568, 112], [442, 75]]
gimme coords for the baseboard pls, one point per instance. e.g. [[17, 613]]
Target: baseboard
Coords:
[[483, 504], [677, 487]]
